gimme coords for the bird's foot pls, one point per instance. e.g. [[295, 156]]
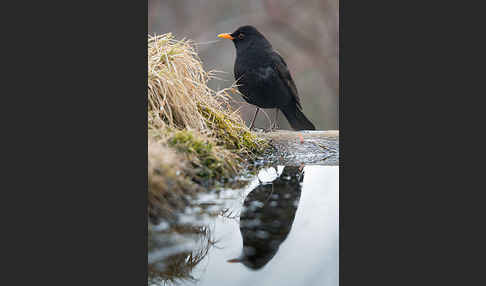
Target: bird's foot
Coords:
[[256, 129], [273, 127]]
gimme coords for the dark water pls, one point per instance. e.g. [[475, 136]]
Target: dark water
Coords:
[[281, 229]]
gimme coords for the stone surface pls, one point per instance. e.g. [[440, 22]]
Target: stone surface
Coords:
[[305, 147]]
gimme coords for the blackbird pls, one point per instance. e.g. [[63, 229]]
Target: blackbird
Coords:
[[263, 77]]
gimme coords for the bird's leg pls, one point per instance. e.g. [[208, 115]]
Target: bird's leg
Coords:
[[254, 117], [275, 125]]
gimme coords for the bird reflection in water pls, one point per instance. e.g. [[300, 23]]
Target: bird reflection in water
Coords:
[[267, 217]]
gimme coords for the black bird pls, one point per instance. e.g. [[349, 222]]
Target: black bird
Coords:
[[263, 77]]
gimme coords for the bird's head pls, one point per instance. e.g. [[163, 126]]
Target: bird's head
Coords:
[[245, 37]]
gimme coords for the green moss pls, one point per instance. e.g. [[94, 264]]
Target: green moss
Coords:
[[231, 134], [184, 141], [203, 155]]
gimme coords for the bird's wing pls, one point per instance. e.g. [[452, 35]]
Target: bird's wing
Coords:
[[283, 72]]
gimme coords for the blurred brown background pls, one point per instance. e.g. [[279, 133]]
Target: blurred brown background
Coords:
[[306, 34]]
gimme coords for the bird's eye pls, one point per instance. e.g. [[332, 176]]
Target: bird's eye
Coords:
[[241, 36]]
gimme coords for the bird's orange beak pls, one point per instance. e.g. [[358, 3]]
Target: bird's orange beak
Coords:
[[226, 36], [234, 260]]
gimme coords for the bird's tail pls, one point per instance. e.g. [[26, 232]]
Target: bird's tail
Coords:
[[297, 119]]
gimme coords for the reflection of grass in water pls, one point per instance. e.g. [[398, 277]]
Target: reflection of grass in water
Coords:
[[177, 268]]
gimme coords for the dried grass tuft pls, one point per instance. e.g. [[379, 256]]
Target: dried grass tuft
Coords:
[[194, 135], [178, 94]]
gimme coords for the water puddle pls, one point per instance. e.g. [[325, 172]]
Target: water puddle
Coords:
[[281, 229]]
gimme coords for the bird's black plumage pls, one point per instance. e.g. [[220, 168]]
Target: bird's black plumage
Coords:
[[264, 78]]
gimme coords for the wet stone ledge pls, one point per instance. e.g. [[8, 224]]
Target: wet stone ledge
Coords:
[[305, 147]]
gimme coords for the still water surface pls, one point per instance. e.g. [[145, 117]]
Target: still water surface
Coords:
[[281, 229]]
